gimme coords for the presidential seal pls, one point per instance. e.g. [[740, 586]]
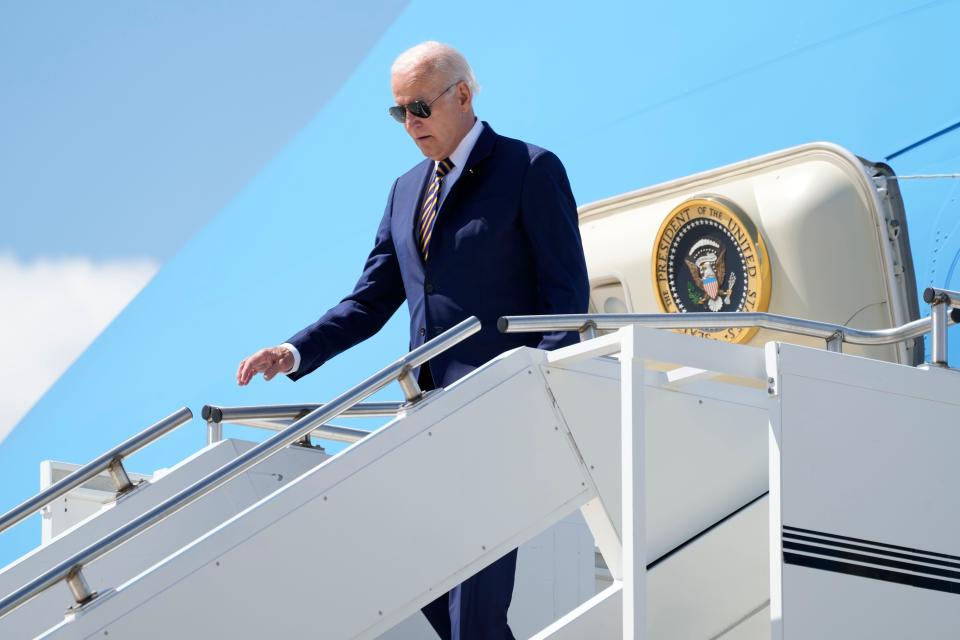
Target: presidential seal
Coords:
[[708, 256]]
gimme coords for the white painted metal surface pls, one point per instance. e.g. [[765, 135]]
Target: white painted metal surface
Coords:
[[354, 546], [80, 503], [865, 534], [707, 439], [713, 587], [370, 512], [48, 608], [705, 458], [376, 559], [556, 572], [599, 618], [633, 485]]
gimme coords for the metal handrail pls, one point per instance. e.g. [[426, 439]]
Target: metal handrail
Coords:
[[111, 461], [277, 416], [214, 413], [932, 295], [325, 432], [834, 334], [939, 300], [71, 568]]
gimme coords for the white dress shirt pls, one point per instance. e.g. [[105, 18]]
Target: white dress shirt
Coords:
[[459, 159]]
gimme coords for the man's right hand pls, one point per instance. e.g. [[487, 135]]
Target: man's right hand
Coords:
[[269, 361]]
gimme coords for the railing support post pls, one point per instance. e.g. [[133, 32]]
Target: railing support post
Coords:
[[119, 476], [633, 496], [588, 331], [944, 308], [78, 586], [938, 334], [835, 342], [304, 442], [411, 390], [214, 432]]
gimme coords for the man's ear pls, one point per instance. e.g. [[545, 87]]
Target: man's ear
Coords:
[[464, 95]]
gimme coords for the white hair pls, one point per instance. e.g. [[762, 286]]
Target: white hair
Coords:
[[434, 58]]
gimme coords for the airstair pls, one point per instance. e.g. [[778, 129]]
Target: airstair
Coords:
[[666, 443], [798, 484]]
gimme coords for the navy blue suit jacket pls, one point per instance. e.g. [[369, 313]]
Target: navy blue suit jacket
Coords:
[[506, 242]]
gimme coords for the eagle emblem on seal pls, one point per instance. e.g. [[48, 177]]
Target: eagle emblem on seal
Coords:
[[705, 260], [709, 256]]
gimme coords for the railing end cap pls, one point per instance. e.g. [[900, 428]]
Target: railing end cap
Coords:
[[212, 413]]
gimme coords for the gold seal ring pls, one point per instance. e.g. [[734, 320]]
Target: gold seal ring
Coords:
[[709, 256]]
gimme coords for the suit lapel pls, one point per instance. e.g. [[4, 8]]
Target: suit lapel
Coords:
[[408, 201], [407, 205], [481, 151]]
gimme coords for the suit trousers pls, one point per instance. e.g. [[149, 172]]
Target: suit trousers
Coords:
[[476, 609]]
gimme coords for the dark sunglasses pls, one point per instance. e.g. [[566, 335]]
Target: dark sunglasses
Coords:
[[418, 108]]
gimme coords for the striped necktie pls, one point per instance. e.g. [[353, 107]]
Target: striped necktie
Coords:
[[431, 205]]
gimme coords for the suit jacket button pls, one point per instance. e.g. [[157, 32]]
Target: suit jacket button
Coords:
[[428, 288], [423, 331]]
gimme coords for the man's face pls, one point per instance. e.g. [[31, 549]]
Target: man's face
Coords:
[[450, 114]]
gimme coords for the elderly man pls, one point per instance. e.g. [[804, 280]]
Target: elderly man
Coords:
[[485, 226]]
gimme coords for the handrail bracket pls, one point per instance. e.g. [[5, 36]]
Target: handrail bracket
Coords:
[[835, 342], [588, 331], [79, 587], [408, 383], [119, 476]]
